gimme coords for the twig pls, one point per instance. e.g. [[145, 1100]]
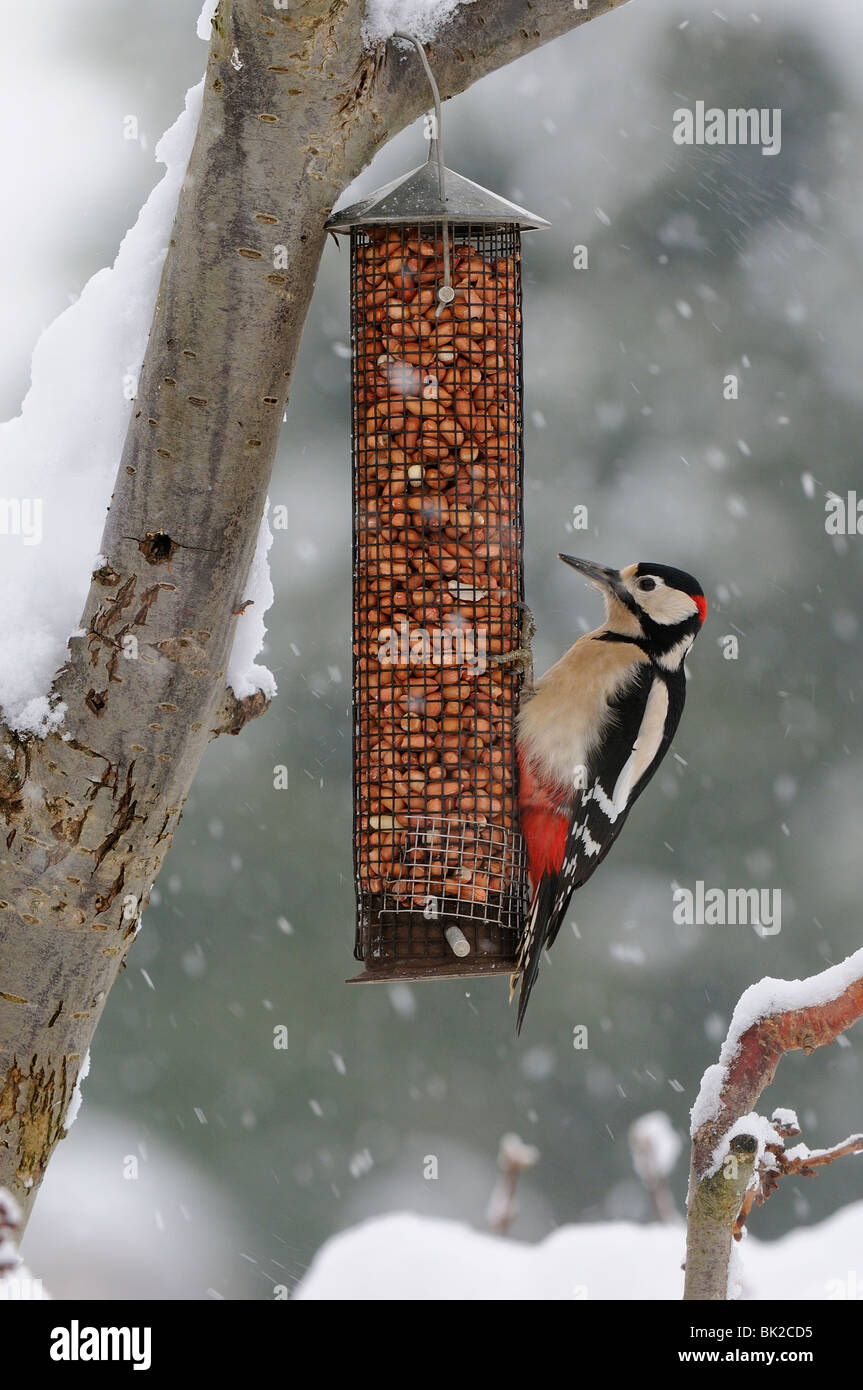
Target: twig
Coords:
[[651, 1165], [514, 1158], [801, 1162]]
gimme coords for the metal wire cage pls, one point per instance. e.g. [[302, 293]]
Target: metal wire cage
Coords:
[[438, 579]]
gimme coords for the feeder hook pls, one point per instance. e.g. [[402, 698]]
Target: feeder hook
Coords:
[[445, 293]]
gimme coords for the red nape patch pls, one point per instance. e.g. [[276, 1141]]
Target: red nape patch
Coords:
[[701, 604]]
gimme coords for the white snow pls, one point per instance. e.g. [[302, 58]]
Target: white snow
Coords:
[[59, 456], [75, 1102], [515, 1153], [65, 445], [655, 1144], [95, 1234], [245, 676], [735, 1282], [420, 17], [764, 1134], [412, 1258], [769, 996], [16, 1282], [205, 19], [807, 482], [402, 999], [803, 1151]]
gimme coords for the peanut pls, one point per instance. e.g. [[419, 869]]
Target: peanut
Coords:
[[437, 495]]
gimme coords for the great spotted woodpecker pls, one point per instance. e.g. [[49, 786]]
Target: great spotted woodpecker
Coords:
[[593, 733]]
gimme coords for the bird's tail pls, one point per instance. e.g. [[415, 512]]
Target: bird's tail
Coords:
[[532, 943]]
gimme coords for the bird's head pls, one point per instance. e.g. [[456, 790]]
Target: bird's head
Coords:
[[663, 606]]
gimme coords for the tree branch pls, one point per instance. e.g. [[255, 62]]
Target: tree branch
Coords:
[[751, 1055], [479, 38], [800, 1162], [712, 1213], [293, 108], [771, 1018]]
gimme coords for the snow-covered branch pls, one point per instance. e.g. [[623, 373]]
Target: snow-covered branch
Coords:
[[772, 1017], [778, 1162]]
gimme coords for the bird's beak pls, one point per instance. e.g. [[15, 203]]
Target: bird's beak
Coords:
[[599, 576]]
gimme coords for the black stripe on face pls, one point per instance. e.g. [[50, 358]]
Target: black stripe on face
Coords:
[[659, 638]]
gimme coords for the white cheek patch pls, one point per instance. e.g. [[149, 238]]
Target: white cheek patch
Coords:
[[665, 606], [668, 606]]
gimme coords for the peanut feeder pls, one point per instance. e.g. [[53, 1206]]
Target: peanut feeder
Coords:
[[438, 579]]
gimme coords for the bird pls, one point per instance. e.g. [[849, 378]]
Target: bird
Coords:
[[592, 733]]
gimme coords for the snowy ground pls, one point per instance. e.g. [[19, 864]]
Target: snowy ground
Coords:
[[123, 1215], [411, 1257]]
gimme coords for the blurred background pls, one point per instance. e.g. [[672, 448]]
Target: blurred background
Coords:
[[702, 262]]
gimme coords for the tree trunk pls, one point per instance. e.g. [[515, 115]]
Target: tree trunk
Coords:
[[293, 108], [711, 1216]]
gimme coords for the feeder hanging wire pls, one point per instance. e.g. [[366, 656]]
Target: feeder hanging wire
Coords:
[[445, 293]]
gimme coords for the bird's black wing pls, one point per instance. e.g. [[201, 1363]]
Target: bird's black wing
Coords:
[[645, 721], [642, 723]]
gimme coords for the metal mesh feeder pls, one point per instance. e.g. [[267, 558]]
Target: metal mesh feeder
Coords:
[[438, 582]]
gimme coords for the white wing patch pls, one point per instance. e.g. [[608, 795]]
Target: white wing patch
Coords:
[[592, 846], [645, 747], [603, 802], [623, 785]]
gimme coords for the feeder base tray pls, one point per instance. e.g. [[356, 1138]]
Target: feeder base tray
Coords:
[[418, 972]]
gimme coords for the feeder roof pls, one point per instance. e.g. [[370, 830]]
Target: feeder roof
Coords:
[[415, 197]]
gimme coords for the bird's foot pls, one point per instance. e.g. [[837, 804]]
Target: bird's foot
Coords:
[[521, 657]]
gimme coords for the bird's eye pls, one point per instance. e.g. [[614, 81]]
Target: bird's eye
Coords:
[[646, 584]]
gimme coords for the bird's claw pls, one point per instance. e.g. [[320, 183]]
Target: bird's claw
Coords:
[[521, 657]]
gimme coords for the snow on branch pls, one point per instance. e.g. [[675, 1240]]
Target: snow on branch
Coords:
[[771, 1018], [420, 17], [59, 458], [779, 1162], [62, 451], [738, 1156]]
